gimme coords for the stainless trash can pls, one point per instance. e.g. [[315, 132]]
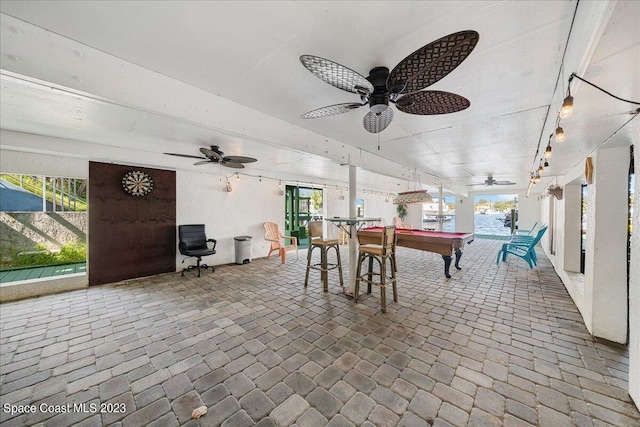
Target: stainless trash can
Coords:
[[243, 249]]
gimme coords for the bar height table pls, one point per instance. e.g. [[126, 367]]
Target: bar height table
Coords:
[[351, 227]]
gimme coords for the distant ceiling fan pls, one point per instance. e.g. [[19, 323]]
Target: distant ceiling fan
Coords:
[[402, 86], [490, 181], [214, 155]]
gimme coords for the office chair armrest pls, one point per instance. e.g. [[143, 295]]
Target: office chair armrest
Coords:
[[214, 241]]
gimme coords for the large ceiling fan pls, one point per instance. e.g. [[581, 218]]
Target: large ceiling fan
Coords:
[[214, 155], [490, 182], [402, 86]]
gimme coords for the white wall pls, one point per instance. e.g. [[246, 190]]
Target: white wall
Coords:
[[601, 292], [414, 215], [201, 199], [606, 251], [634, 288], [464, 213], [528, 211]]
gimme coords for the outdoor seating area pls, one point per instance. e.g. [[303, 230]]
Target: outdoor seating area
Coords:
[[449, 189], [492, 346], [523, 246]]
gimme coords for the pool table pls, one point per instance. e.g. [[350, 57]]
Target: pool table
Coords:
[[441, 242]]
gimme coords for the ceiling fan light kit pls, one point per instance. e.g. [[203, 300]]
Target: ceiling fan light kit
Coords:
[[402, 86]]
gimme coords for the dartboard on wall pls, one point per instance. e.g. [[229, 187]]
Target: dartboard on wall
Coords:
[[137, 183]]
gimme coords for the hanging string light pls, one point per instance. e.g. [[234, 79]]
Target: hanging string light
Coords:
[[560, 136], [567, 105], [566, 111]]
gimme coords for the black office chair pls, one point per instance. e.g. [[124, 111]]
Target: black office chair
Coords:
[[194, 243]]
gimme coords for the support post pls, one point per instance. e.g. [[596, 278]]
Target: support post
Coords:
[[353, 172]]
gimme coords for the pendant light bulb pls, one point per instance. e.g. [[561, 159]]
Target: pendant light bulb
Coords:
[[547, 152], [546, 163], [560, 136], [567, 108], [540, 169]]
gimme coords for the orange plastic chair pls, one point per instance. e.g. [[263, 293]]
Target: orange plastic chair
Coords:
[[272, 234]]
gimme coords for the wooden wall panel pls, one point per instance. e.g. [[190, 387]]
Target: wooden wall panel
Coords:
[[130, 236]]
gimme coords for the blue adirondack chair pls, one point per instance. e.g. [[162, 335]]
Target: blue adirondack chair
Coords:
[[525, 232], [525, 239], [523, 250]]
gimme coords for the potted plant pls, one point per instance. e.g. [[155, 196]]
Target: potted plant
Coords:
[[402, 211]]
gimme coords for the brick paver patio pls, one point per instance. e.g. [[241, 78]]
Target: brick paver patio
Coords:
[[494, 345]]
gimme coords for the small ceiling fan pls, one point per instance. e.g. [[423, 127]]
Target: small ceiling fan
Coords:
[[490, 182], [214, 155], [402, 86]]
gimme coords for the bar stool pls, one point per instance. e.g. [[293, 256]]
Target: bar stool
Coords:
[[316, 241], [380, 253]]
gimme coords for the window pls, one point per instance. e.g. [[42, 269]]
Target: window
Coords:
[[44, 223], [583, 225]]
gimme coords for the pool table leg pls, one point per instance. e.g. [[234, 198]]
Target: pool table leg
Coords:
[[458, 256], [447, 264]]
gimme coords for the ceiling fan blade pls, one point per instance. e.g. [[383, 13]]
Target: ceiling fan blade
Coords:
[[473, 185], [504, 183], [432, 102], [210, 154], [336, 75], [232, 165], [184, 155], [331, 110], [238, 159], [203, 162], [432, 62], [375, 123]]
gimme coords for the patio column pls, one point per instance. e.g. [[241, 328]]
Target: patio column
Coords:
[[353, 173]]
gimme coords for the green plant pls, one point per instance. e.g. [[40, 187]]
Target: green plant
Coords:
[[402, 211], [40, 255], [72, 252]]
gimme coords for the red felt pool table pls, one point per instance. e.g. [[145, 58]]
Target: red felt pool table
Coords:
[[441, 242]]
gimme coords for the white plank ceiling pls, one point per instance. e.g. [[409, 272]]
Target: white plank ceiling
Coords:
[[128, 81]]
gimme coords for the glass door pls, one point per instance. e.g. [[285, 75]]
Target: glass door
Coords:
[[303, 204]]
